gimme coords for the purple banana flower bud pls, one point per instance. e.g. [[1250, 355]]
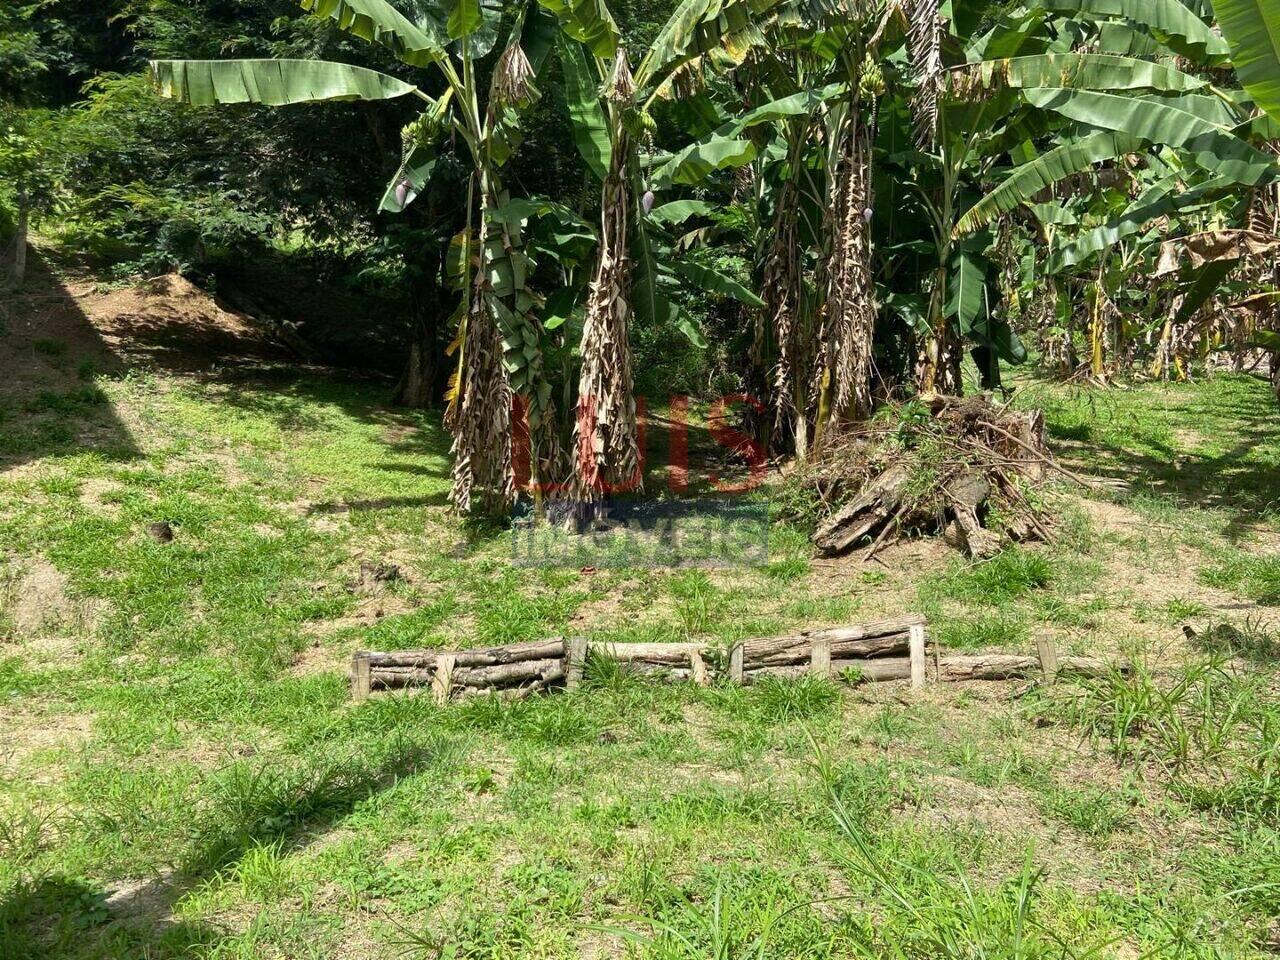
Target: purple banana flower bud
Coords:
[[646, 202], [402, 192]]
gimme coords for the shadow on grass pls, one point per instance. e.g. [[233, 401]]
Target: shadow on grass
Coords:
[[51, 356], [60, 917], [1213, 444]]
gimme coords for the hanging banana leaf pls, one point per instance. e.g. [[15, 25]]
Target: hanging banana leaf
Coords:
[[1213, 147], [697, 161], [678, 211], [1049, 168], [1252, 27], [1130, 40], [1215, 246], [1205, 283], [418, 44], [1169, 21], [713, 281], [587, 21], [1081, 71], [582, 97], [272, 82], [696, 27]]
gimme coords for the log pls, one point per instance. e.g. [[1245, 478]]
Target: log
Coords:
[[968, 494], [535, 650], [877, 639], [498, 675], [509, 674], [950, 669], [864, 515], [657, 653]]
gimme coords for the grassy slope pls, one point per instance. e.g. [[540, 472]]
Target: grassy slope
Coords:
[[174, 717]]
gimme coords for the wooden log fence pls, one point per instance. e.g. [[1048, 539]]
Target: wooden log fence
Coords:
[[893, 649]]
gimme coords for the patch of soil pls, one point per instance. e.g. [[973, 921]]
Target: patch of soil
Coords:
[[171, 322], [26, 732], [38, 600], [55, 326]]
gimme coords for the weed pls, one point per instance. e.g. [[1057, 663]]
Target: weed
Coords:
[[1179, 610], [776, 700], [1256, 578], [999, 629], [1006, 576]]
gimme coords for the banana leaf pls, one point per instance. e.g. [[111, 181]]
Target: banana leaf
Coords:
[[1027, 180], [272, 82], [678, 211], [713, 281], [1169, 21], [1252, 27], [587, 21], [699, 160], [418, 44], [582, 97], [1083, 71], [1213, 147], [1156, 201]]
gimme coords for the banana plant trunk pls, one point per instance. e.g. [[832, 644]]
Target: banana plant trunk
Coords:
[[607, 454], [938, 367], [781, 292], [848, 326], [521, 335], [481, 420]]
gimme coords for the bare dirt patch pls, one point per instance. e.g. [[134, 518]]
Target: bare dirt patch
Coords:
[[27, 732]]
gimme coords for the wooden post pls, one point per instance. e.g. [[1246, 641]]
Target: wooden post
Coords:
[[1047, 650], [736, 663], [916, 649], [820, 657], [442, 680], [576, 651], [698, 669], [361, 676]]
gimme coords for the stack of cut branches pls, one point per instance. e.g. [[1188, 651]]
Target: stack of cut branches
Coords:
[[962, 467]]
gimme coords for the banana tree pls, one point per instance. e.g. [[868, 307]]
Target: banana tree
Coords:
[[609, 107], [812, 88], [1103, 108]]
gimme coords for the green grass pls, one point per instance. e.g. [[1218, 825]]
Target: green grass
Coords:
[[178, 713]]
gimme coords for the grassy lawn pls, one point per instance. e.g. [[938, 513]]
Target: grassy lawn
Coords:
[[182, 774]]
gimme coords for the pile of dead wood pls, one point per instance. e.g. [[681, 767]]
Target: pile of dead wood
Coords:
[[889, 649], [959, 466]]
